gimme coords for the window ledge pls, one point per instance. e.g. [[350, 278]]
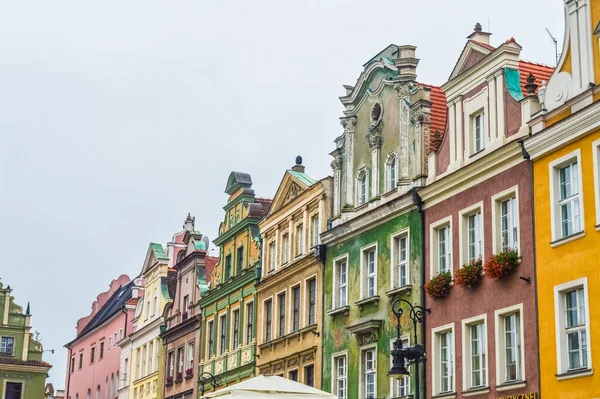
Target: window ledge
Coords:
[[372, 299], [399, 290], [509, 386], [597, 227], [574, 374], [565, 240], [361, 206], [476, 391], [403, 397], [188, 376], [343, 309], [446, 395]]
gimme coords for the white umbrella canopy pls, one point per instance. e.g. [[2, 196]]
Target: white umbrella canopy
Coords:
[[270, 387]]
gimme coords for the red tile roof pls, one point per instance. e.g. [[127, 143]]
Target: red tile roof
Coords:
[[266, 204], [209, 263], [540, 71], [438, 110], [19, 362], [487, 46]]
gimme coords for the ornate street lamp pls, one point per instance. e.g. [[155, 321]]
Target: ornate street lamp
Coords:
[[205, 378], [410, 355]]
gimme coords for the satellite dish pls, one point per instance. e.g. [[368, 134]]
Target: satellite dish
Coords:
[[206, 241]]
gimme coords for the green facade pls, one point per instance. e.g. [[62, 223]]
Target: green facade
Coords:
[[21, 366]]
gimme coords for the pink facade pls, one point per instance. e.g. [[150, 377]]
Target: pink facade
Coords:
[[94, 356]]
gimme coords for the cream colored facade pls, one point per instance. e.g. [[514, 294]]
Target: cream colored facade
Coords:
[[146, 362], [289, 294]]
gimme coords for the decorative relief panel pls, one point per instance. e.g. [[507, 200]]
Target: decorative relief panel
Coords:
[[246, 356], [232, 361], [219, 365]]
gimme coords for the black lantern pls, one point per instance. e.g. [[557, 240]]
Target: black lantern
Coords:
[[208, 378], [409, 355]]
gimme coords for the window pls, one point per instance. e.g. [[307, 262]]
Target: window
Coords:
[[340, 379], [369, 375], [369, 272], [299, 240], [362, 188], [281, 301], [312, 301], [441, 248], [211, 335], [190, 356], [471, 230], [596, 159], [180, 362], [186, 303], [309, 375], [565, 186], [115, 340], [315, 230], [125, 373], [286, 248], [478, 132], [92, 353], [101, 354], [293, 375], [400, 260], [147, 315], [443, 359], [150, 353], [273, 255], [171, 360], [144, 360], [236, 329], [223, 331], [110, 339], [228, 271], [14, 390], [72, 364], [268, 319], [572, 326], [475, 352], [249, 322], [80, 360], [155, 307], [240, 259], [340, 287], [296, 314], [392, 172], [510, 355], [7, 345]]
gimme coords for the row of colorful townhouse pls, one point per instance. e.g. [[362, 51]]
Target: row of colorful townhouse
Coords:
[[459, 230]]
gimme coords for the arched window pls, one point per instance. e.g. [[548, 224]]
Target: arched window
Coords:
[[362, 188], [98, 392], [116, 387], [112, 384], [89, 394], [155, 302], [106, 389], [392, 172]]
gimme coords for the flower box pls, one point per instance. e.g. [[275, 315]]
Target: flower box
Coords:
[[179, 376], [439, 286], [501, 264], [184, 315], [469, 276], [189, 371], [170, 380]]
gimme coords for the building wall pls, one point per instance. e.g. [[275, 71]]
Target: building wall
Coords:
[[337, 338], [574, 260]]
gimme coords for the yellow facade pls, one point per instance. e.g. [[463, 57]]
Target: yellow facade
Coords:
[[565, 150], [147, 362]]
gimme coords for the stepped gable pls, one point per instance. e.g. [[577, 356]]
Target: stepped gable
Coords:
[[106, 304]]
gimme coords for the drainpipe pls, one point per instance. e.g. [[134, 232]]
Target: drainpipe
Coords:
[[419, 204], [126, 317], [68, 370], [527, 157]]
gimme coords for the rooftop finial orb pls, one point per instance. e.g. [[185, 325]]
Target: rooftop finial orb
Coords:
[[478, 27], [298, 160]]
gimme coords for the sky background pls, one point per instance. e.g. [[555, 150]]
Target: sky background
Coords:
[[118, 118]]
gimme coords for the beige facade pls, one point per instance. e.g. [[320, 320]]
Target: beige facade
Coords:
[[289, 295]]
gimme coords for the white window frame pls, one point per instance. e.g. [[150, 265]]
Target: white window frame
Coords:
[[473, 132], [292, 304], [395, 258], [596, 158], [559, 318], [473, 106], [555, 215], [364, 272], [463, 227], [496, 204], [191, 346], [306, 301], [499, 316], [336, 297], [391, 180], [272, 256], [285, 243], [222, 332], [263, 327], [232, 311], [362, 187], [299, 239], [208, 353], [315, 225], [286, 319], [12, 352], [435, 372], [334, 375], [361, 370], [466, 351], [433, 247], [394, 383]]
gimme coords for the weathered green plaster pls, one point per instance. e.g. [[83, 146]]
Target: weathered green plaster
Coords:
[[336, 337]]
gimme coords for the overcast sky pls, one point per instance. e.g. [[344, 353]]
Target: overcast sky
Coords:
[[120, 117]]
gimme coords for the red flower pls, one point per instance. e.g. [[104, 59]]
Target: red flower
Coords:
[[439, 286], [501, 264], [469, 276]]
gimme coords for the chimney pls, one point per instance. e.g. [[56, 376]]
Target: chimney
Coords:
[[298, 167], [479, 35], [406, 62]]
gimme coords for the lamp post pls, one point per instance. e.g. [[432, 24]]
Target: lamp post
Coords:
[[205, 378], [412, 355]]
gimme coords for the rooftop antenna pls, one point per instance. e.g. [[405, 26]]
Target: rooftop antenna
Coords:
[[555, 46]]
